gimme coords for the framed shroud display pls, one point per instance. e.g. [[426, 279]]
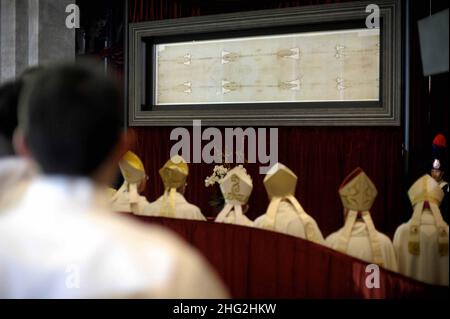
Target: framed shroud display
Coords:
[[313, 65]]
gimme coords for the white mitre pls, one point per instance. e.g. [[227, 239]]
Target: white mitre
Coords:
[[280, 183], [133, 172], [358, 194], [426, 189], [236, 188]]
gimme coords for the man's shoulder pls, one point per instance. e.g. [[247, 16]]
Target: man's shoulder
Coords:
[[332, 237], [189, 207], [168, 255], [132, 255], [152, 208], [122, 225], [384, 239]]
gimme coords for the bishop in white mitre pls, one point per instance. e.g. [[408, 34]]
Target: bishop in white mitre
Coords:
[[236, 188], [284, 213], [127, 198], [172, 203], [422, 242], [359, 237]]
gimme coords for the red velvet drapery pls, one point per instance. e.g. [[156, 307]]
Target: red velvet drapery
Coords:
[[259, 264], [320, 156]]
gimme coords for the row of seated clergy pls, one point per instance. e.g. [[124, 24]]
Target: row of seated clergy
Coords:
[[357, 238], [421, 245], [423, 257], [171, 204], [284, 214]]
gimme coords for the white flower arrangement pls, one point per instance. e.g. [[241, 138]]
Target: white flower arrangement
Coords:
[[220, 171], [218, 174]]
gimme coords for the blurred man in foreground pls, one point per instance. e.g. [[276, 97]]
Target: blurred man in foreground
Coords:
[[60, 241]]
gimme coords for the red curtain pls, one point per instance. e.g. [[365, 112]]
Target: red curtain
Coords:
[[259, 264], [320, 156]]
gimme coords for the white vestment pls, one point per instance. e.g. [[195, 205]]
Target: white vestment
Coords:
[[359, 245], [234, 218], [287, 221], [62, 242], [121, 203], [429, 266], [15, 175], [183, 209]]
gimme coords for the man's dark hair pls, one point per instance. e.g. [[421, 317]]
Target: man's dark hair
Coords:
[[9, 99], [71, 119]]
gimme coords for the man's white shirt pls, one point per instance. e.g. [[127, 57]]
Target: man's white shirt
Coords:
[[62, 242]]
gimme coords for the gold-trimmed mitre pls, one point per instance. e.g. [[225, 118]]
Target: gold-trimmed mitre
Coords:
[[236, 186], [425, 189], [357, 191], [132, 168], [280, 181], [174, 173], [357, 194], [133, 172]]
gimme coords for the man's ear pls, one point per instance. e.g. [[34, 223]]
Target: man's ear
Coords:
[[108, 170], [20, 144]]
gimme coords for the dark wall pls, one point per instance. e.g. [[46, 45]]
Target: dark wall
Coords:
[[429, 97], [320, 156]]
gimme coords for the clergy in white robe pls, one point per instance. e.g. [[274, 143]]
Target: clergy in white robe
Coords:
[[422, 242], [236, 188], [284, 213], [172, 203], [127, 198], [359, 237], [62, 242]]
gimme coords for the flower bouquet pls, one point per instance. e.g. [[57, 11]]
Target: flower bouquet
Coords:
[[217, 201]]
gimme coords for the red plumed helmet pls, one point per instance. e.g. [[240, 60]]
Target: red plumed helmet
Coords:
[[439, 140]]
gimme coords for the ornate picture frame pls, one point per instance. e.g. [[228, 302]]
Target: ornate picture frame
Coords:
[[180, 106]]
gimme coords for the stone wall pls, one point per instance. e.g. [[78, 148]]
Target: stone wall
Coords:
[[33, 32]]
